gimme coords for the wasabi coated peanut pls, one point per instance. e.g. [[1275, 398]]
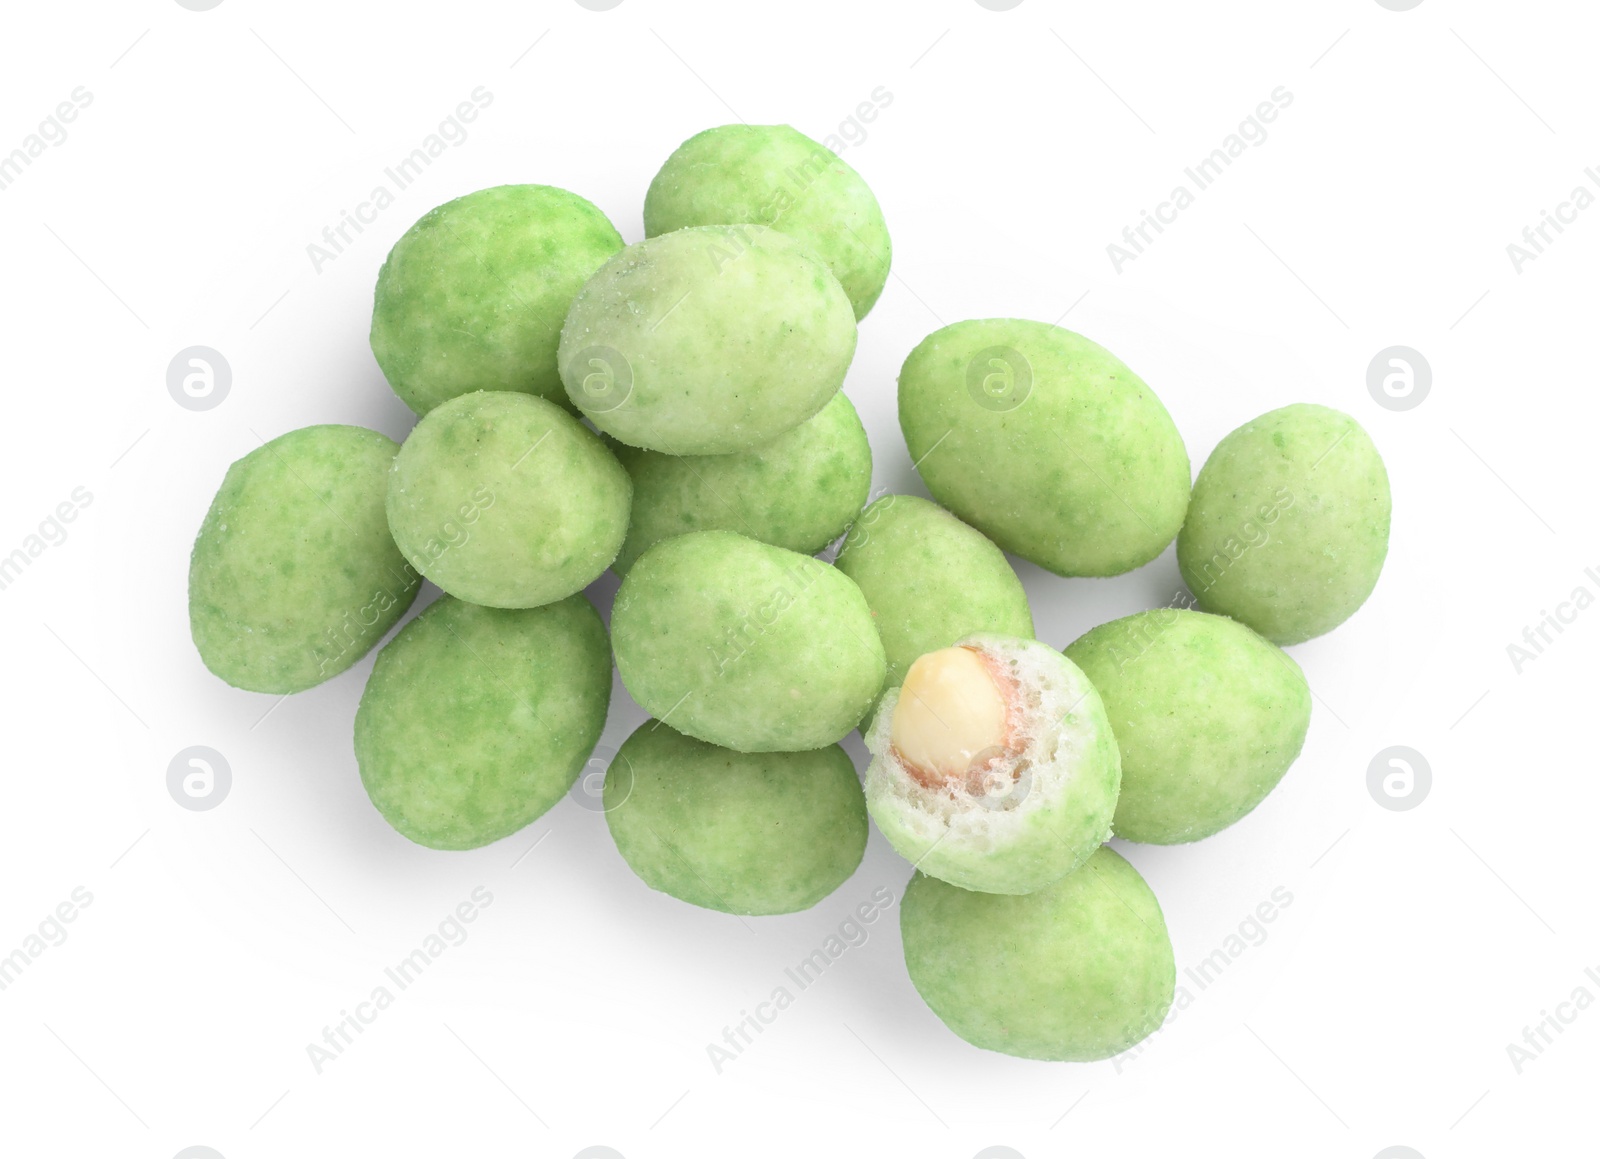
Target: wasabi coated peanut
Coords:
[[800, 491], [993, 765], [506, 500], [744, 833], [1046, 443], [1081, 970], [746, 645], [473, 296], [294, 576], [1207, 714], [773, 175], [476, 720], [707, 341], [929, 580], [1289, 524]]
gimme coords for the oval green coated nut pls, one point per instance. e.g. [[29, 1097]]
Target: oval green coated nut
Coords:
[[1289, 524], [472, 297], [746, 645], [506, 500], [929, 580], [476, 721], [1208, 717], [1046, 443], [707, 341], [776, 176], [1078, 971], [294, 576], [800, 491], [744, 833]]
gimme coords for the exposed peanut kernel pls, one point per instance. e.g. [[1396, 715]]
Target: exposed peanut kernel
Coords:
[[952, 713]]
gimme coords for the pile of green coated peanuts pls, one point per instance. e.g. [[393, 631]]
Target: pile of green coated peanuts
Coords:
[[672, 410]]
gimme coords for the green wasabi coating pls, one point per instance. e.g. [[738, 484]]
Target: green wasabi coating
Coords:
[[744, 833], [294, 576], [476, 720], [707, 340], [506, 500], [1207, 714], [776, 176], [1046, 443], [746, 645], [1078, 971], [472, 297], [800, 491], [929, 580], [1289, 524]]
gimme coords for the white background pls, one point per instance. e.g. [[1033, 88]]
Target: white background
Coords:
[[1418, 945]]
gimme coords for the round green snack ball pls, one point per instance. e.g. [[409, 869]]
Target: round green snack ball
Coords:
[[993, 765], [1289, 524], [746, 645], [506, 500], [744, 833], [472, 297], [776, 176], [800, 491], [294, 576], [1076, 972], [1207, 714], [1046, 443], [476, 720], [707, 340], [929, 580]]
